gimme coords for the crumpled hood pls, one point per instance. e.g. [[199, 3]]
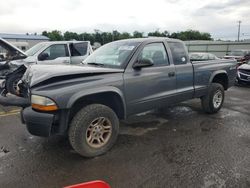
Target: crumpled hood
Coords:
[[11, 47], [245, 67], [36, 74]]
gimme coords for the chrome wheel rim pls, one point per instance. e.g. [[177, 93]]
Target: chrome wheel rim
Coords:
[[217, 99], [99, 132]]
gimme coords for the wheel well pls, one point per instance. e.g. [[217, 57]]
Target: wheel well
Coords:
[[109, 99], [221, 79], [20, 70]]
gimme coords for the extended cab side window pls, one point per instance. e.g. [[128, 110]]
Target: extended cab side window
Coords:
[[56, 50], [79, 49], [156, 52], [179, 53]]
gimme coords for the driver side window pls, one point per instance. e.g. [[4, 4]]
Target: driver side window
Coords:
[[55, 51], [155, 52]]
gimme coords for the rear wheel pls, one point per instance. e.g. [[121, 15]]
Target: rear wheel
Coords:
[[93, 130], [214, 99]]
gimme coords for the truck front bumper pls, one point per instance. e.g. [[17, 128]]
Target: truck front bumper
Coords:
[[13, 100], [39, 124], [45, 124]]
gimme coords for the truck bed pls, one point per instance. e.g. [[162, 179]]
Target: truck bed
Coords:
[[204, 71]]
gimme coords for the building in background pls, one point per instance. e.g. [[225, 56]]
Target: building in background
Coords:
[[24, 41], [218, 48]]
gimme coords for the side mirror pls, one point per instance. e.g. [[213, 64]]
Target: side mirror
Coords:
[[143, 63], [43, 56]]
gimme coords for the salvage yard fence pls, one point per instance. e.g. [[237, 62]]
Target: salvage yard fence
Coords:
[[219, 48]]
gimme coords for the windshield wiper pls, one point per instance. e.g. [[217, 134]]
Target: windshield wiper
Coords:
[[96, 64]]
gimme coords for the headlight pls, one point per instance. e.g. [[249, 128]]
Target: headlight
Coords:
[[43, 103]]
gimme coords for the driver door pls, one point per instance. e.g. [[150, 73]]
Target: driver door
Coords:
[[150, 87]]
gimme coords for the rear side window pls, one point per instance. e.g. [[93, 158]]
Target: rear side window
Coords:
[[79, 49], [179, 53]]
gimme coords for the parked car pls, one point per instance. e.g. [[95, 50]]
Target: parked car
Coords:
[[118, 80], [242, 56], [202, 56], [14, 64], [243, 73]]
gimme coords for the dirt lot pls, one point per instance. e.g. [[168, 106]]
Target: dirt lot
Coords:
[[178, 147]]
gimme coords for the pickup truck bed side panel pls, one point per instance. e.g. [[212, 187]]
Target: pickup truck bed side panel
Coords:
[[205, 71]]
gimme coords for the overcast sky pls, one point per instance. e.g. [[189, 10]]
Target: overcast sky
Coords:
[[219, 17]]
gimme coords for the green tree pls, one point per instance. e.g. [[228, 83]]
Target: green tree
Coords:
[[125, 35], [54, 35], [115, 35], [137, 34], [71, 36], [159, 34], [191, 35], [87, 37], [105, 37], [45, 33]]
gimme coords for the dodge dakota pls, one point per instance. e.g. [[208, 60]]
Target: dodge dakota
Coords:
[[118, 80]]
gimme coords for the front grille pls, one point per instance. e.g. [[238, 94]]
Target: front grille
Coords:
[[244, 71]]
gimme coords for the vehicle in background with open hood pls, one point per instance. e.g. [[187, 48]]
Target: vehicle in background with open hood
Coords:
[[14, 62]]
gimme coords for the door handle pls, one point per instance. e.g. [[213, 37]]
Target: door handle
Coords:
[[171, 74]]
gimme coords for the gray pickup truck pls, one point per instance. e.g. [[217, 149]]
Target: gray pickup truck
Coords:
[[118, 80]]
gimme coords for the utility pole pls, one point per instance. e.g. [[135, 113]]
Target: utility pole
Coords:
[[239, 30]]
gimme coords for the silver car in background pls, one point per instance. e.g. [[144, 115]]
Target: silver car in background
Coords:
[[14, 62]]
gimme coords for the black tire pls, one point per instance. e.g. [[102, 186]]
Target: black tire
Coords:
[[208, 104], [11, 83], [79, 128], [3, 92]]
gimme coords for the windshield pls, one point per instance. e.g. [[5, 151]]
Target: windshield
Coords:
[[237, 53], [32, 51], [112, 55]]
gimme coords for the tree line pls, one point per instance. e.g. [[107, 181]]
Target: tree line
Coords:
[[105, 37]]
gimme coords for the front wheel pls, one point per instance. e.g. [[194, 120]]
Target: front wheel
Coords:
[[11, 83], [213, 101], [93, 130]]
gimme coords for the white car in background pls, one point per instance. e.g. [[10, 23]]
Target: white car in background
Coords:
[[14, 62]]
